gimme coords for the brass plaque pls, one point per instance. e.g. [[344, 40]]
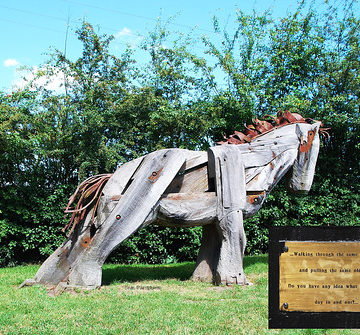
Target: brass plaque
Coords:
[[320, 277]]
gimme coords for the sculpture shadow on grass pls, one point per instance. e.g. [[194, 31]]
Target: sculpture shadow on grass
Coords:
[[252, 260], [117, 273], [132, 273]]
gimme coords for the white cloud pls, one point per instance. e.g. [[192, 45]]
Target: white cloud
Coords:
[[127, 37], [11, 62], [54, 82], [123, 33]]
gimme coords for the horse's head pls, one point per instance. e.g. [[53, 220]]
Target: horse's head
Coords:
[[303, 170]]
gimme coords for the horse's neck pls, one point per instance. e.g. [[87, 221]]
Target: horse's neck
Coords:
[[269, 157]]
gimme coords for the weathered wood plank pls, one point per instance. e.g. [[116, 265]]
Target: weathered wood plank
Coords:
[[230, 178], [207, 260], [187, 209], [194, 180], [194, 159], [263, 153], [272, 172], [121, 178], [231, 199], [198, 209], [304, 165]]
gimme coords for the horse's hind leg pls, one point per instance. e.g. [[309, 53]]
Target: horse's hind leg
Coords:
[[134, 207]]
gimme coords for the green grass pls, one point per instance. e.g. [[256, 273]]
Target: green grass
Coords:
[[141, 299]]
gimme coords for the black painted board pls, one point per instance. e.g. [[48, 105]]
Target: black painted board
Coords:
[[305, 320]]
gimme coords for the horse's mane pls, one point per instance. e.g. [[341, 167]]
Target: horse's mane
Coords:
[[260, 127]]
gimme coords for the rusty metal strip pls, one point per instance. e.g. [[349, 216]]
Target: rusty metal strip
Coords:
[[87, 192]]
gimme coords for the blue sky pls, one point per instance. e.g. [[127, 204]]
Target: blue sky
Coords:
[[30, 28]]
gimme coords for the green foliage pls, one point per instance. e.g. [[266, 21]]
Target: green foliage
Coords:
[[113, 110], [157, 245]]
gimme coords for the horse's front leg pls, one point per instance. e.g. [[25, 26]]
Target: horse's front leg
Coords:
[[233, 241], [227, 168]]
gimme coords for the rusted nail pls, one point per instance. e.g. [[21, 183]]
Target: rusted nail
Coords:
[[155, 175], [253, 199], [85, 241]]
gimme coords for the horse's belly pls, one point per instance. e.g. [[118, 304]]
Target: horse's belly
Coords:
[[187, 209], [198, 209]]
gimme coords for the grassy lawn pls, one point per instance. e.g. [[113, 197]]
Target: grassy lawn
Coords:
[[141, 299]]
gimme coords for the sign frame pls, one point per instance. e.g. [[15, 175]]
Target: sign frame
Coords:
[[278, 236]]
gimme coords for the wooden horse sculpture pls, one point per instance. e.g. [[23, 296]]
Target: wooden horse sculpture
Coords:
[[181, 188]]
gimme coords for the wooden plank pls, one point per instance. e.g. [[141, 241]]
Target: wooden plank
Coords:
[[270, 174], [255, 155], [194, 180], [251, 173], [230, 178], [231, 199], [304, 166], [143, 193], [197, 209], [194, 159], [121, 178], [187, 209]]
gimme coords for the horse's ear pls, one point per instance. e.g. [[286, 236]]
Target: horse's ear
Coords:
[[299, 133], [317, 125]]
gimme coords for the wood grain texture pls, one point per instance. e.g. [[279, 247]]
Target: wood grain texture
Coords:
[[209, 254], [187, 209], [304, 165], [120, 179], [271, 173], [231, 199], [194, 180]]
